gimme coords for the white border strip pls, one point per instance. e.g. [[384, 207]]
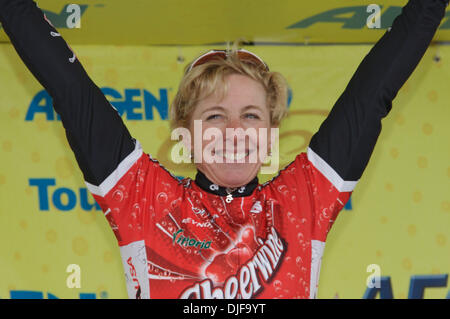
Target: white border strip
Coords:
[[118, 173], [139, 261], [330, 173], [317, 248]]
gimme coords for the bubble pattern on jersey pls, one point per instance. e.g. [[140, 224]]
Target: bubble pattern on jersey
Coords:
[[265, 245]]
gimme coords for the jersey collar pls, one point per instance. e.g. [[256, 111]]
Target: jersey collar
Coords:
[[204, 183]]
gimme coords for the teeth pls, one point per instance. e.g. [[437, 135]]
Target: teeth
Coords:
[[234, 157]]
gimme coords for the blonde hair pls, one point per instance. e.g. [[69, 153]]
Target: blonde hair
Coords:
[[209, 78]]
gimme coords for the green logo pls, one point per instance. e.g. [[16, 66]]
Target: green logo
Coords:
[[59, 19], [355, 17], [189, 242]]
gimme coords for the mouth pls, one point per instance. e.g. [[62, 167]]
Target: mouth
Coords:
[[232, 157]]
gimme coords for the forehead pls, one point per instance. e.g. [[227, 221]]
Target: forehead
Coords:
[[239, 91]]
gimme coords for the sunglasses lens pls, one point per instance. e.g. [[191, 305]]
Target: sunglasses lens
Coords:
[[248, 56], [243, 55], [209, 56]]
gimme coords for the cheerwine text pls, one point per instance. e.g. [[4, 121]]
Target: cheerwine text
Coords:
[[246, 281]]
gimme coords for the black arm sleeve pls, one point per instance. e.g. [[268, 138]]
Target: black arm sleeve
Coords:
[[347, 137], [93, 127]]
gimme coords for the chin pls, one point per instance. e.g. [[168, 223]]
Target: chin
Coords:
[[230, 175]]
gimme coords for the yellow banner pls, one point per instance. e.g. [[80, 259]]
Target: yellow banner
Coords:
[[398, 218], [200, 22]]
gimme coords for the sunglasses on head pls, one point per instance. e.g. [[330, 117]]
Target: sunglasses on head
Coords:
[[242, 54]]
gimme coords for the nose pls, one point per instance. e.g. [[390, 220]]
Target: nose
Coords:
[[234, 134], [234, 122]]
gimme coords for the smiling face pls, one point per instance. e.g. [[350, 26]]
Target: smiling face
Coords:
[[244, 107]]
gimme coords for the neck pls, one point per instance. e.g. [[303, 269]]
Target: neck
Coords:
[[245, 190]]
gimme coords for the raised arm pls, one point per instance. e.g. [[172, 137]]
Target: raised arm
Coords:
[[343, 145], [93, 127]]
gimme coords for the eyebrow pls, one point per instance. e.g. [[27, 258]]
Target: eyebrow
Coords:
[[252, 107], [221, 108], [214, 108]]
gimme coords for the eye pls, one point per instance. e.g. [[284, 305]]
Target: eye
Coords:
[[252, 116], [214, 117]]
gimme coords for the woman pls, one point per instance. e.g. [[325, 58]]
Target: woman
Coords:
[[223, 235]]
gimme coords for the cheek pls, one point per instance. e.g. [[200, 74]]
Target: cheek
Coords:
[[207, 136], [263, 133]]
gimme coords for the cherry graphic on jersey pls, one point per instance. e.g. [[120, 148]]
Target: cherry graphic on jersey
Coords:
[[244, 249], [238, 255], [219, 269], [248, 238]]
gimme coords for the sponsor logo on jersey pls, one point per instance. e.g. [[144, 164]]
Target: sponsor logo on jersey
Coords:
[[256, 208], [189, 242], [133, 273], [206, 224], [245, 282]]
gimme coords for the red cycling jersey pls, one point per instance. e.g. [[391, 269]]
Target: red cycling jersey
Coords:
[[179, 240]]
